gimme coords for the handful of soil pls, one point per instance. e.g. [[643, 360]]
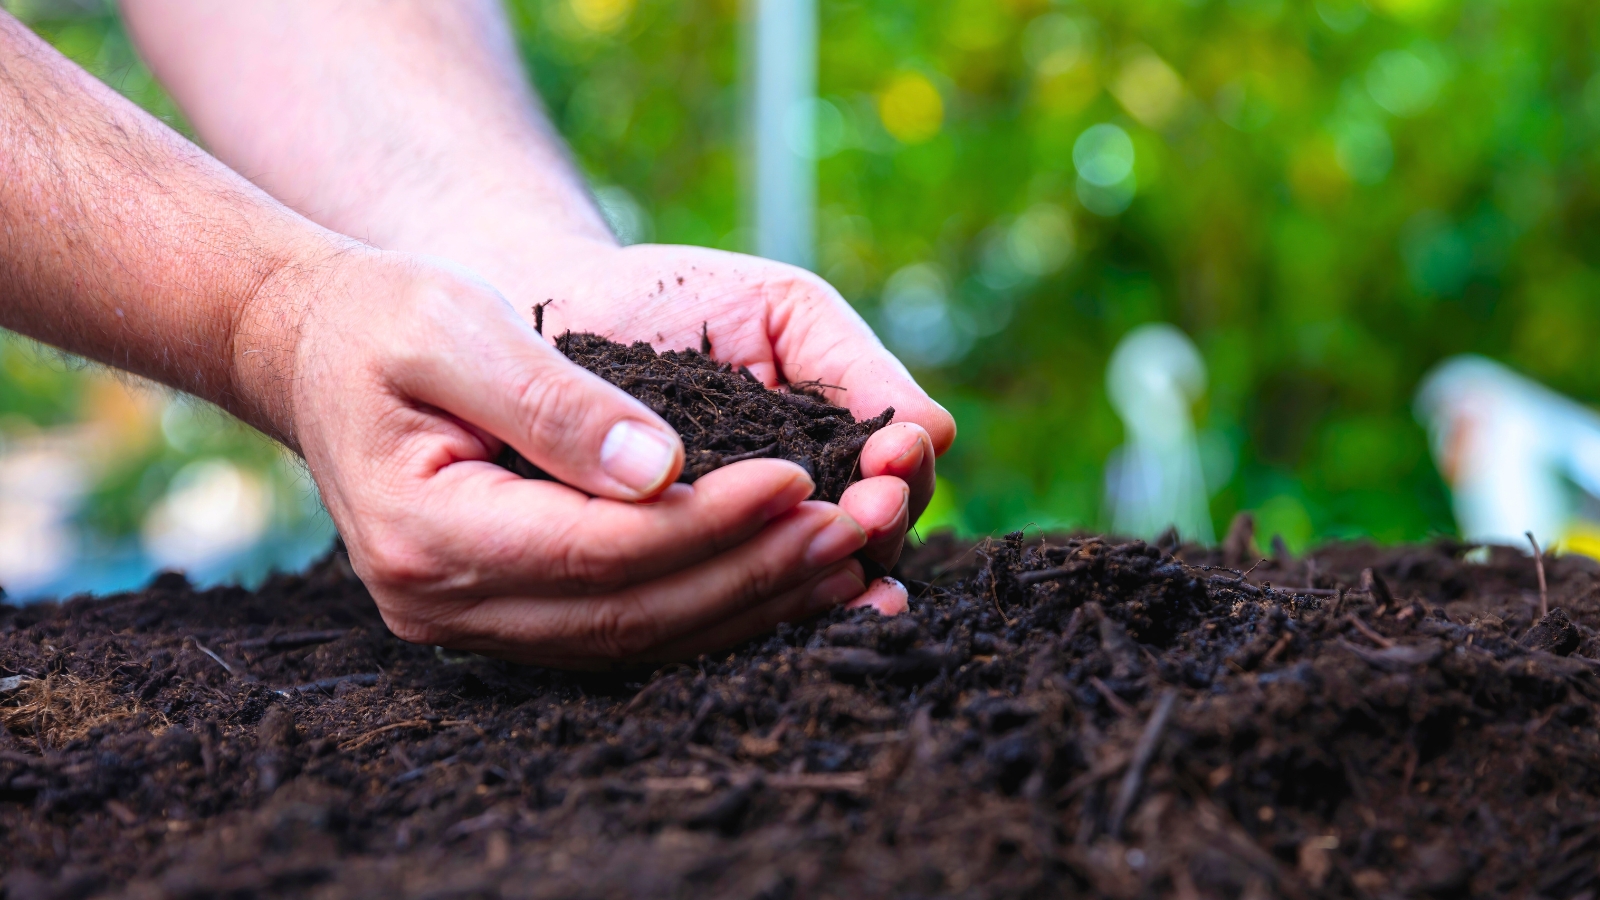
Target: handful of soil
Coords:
[[723, 414]]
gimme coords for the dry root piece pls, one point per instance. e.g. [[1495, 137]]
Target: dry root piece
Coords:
[[58, 709]]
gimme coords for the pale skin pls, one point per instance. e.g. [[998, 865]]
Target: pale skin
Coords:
[[397, 372]]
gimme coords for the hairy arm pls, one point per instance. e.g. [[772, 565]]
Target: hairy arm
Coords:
[[397, 379], [406, 123], [126, 244], [409, 123]]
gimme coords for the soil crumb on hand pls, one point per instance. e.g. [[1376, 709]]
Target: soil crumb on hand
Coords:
[[725, 415]]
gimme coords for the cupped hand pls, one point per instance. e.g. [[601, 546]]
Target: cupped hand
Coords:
[[404, 375], [783, 323]]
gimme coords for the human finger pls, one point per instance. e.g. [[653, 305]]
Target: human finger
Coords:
[[880, 505], [836, 586], [479, 529], [492, 370], [902, 450], [633, 622], [818, 336], [887, 596]]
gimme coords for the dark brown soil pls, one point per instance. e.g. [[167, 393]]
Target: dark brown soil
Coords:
[[1052, 718], [725, 415]]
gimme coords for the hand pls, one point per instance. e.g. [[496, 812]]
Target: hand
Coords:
[[399, 371], [429, 142], [784, 323]]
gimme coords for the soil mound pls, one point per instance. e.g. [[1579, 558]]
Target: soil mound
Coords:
[[725, 415], [1053, 717]]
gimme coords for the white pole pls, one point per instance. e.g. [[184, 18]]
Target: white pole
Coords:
[[783, 42]]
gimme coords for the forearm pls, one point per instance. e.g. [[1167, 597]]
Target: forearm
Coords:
[[406, 123], [122, 242]]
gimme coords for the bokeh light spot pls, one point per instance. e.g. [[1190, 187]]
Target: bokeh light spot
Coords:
[[1103, 154], [1410, 10], [911, 108], [1056, 43], [1342, 16], [1402, 82], [601, 16], [1148, 88], [918, 318]]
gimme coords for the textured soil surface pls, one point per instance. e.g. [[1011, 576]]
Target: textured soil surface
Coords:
[[1053, 717], [725, 415]]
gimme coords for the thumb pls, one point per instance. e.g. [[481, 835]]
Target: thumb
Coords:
[[499, 375]]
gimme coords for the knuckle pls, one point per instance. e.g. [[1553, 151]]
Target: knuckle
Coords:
[[554, 408], [592, 567], [577, 563], [415, 631], [402, 619], [397, 563], [620, 630], [760, 582]]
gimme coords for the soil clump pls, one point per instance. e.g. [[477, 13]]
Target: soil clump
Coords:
[[724, 414], [1060, 716]]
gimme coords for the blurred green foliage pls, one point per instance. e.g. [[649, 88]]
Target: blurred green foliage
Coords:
[[1329, 197]]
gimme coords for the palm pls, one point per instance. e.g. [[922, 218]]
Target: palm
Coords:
[[783, 323]]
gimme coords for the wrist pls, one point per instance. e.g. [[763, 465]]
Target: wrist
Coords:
[[269, 325]]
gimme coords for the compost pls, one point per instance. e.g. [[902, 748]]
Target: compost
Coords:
[[1053, 717], [724, 414]]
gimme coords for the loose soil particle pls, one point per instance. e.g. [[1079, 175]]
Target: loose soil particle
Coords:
[[1062, 717], [726, 415]]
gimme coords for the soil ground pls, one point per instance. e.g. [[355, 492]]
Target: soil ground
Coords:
[[1053, 717], [725, 415]]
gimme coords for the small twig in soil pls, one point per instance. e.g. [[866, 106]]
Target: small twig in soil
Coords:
[[1246, 573], [1278, 648], [207, 651], [1307, 591], [1119, 705], [757, 453], [1071, 631], [853, 782], [710, 756], [364, 739], [364, 679], [1142, 752], [1367, 630], [1538, 564], [1373, 584], [1103, 769], [1039, 575], [293, 640]]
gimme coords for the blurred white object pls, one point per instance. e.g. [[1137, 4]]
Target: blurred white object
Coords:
[[213, 510], [1155, 479], [1512, 450], [41, 486], [783, 45]]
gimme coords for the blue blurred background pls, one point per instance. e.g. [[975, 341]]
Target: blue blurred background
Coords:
[[1328, 197]]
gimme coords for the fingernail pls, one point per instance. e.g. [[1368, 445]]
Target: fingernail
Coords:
[[838, 539], [638, 456], [840, 587], [792, 494], [911, 458]]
